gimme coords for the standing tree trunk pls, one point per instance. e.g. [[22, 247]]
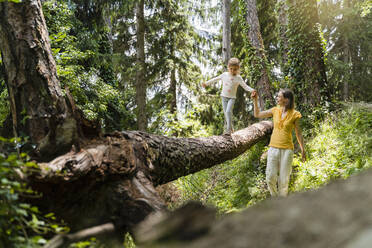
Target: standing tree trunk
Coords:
[[346, 77], [306, 66], [108, 24], [106, 47], [263, 84], [38, 107], [140, 67], [346, 50], [226, 29], [283, 23], [173, 92]]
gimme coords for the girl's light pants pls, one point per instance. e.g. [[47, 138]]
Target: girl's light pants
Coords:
[[278, 170], [228, 105]]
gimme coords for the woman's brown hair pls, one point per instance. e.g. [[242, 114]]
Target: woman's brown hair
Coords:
[[287, 93]]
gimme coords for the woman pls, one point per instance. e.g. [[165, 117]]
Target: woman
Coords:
[[280, 154]]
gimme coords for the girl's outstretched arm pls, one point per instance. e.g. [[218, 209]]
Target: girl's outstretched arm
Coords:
[[300, 139], [256, 110], [244, 85], [204, 84]]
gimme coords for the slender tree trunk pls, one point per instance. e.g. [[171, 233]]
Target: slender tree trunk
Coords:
[[226, 29], [140, 73], [39, 109], [345, 89], [346, 48], [263, 84], [283, 23], [106, 47], [173, 92], [108, 23]]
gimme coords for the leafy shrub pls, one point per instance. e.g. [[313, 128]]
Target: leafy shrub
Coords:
[[341, 147], [21, 224]]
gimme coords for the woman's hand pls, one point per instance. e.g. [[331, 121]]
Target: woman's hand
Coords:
[[256, 110], [300, 139], [303, 155], [204, 84]]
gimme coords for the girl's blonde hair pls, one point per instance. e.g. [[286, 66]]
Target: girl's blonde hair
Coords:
[[233, 62]]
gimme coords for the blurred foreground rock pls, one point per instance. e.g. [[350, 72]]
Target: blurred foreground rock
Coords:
[[336, 216]]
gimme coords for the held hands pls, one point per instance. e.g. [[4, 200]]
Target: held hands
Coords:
[[254, 94]]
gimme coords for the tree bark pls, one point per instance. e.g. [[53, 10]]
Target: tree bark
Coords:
[[140, 73], [283, 23], [336, 216], [307, 65], [345, 85], [346, 55], [173, 92], [263, 84], [319, 91], [39, 109], [113, 180], [226, 29]]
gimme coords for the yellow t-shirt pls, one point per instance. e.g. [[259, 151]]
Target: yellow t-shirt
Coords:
[[282, 133]]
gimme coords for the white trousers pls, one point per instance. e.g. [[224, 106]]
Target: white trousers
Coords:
[[278, 170]]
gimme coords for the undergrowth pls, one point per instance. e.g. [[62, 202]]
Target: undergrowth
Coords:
[[336, 147]]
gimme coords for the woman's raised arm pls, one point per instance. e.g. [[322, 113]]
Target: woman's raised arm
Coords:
[[256, 110]]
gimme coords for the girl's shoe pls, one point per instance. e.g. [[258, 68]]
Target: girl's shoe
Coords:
[[228, 132]]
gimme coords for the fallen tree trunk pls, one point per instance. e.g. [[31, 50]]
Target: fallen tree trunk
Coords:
[[336, 216], [114, 179]]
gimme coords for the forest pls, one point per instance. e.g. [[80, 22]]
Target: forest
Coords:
[[108, 137]]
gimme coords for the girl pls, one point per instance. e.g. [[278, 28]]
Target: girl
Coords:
[[280, 154], [230, 82]]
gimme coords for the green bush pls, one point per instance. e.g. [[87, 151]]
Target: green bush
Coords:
[[21, 224], [342, 146]]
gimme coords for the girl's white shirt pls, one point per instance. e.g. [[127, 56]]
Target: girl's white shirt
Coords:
[[230, 84]]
